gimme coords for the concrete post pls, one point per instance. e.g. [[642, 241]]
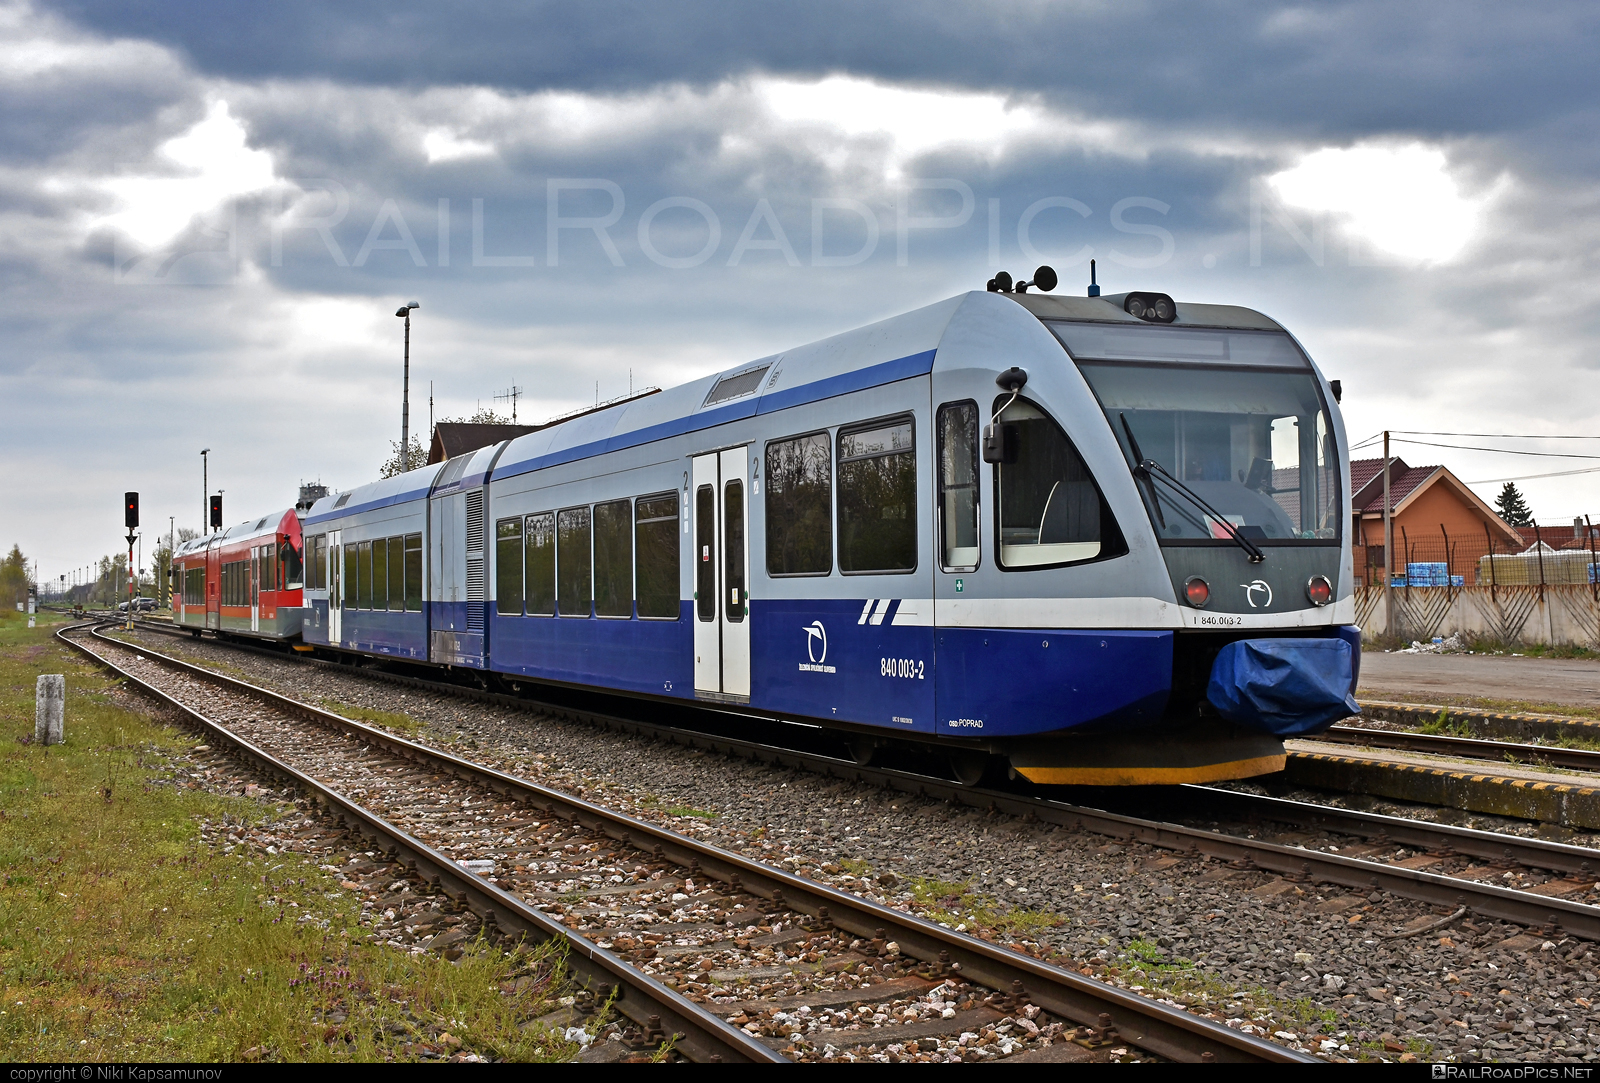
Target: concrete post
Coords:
[[50, 704]]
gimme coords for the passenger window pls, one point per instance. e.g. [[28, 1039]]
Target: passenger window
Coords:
[[539, 560], [573, 563], [397, 574], [293, 566], [1050, 511], [705, 542], [878, 499], [733, 548], [508, 567], [352, 574], [799, 506], [958, 486], [413, 573], [364, 595], [380, 574], [655, 540], [613, 559]]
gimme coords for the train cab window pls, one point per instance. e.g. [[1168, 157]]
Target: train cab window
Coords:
[[705, 544], [613, 559], [1050, 511], [397, 573], [655, 542], [539, 560], [573, 563], [878, 498], [958, 486], [380, 574], [508, 567], [293, 566], [351, 577], [413, 573], [799, 503]]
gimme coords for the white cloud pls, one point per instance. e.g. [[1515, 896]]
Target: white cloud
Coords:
[[1402, 200], [214, 165], [441, 145]]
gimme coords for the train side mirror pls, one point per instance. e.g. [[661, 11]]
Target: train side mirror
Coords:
[[1000, 443]]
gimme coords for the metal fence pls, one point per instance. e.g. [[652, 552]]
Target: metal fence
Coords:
[[1480, 560]]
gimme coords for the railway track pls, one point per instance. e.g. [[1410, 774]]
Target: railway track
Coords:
[[1445, 865], [670, 922], [1466, 747]]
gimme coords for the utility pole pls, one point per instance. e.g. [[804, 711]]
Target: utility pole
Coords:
[[405, 392], [1392, 625]]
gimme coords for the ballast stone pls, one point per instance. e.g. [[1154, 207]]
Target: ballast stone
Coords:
[[49, 709]]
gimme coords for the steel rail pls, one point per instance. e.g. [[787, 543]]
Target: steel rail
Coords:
[[1292, 862], [1469, 747], [1168, 1032], [701, 1034]]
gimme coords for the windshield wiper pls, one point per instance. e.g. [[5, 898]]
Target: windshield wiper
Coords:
[[1151, 471]]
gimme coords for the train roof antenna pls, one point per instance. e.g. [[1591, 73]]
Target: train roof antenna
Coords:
[[1094, 290]]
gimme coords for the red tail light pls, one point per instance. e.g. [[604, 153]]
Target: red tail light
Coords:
[[1197, 591], [1319, 590]]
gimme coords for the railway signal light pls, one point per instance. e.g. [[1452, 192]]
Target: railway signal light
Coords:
[[216, 511], [130, 514]]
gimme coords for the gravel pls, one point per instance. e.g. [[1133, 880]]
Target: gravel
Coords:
[[1307, 966]]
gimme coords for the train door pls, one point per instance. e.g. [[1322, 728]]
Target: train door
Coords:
[[721, 509], [335, 587], [255, 588], [213, 558]]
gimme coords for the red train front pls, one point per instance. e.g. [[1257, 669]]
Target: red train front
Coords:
[[245, 580]]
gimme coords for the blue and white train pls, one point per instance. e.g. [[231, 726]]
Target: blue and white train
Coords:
[[1096, 540]]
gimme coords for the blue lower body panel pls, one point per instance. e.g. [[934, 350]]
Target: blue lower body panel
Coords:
[[649, 656], [1013, 682]]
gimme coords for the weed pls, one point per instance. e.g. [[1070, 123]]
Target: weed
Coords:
[[394, 721], [685, 810], [954, 903]]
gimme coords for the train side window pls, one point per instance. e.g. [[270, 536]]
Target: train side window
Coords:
[[613, 559], [397, 573], [878, 498], [364, 595], [958, 486], [322, 562], [1049, 510], [799, 505], [539, 558], [269, 569], [655, 541], [573, 563], [705, 544], [380, 574], [508, 567], [733, 548], [413, 573], [350, 578]]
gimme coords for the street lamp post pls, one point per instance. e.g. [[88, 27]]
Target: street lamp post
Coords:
[[405, 391], [205, 490]]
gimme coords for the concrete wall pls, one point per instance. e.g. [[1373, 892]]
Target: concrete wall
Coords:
[[1555, 615]]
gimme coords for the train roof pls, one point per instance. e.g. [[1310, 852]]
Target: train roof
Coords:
[[893, 349], [398, 489], [271, 523]]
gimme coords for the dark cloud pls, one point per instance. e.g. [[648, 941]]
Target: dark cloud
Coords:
[[1326, 69]]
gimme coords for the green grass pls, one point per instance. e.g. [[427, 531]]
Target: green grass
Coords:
[[685, 810], [394, 721], [955, 903], [1443, 726], [125, 937]]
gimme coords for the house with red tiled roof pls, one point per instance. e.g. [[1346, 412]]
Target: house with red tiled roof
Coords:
[[1427, 502]]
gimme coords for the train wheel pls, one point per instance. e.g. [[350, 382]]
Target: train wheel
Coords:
[[976, 768], [864, 750]]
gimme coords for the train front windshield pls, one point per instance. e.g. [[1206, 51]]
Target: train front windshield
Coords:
[[1236, 416]]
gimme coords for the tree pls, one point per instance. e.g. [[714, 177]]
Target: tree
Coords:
[[391, 465], [14, 577], [1513, 509]]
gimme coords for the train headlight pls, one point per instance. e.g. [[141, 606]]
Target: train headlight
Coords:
[[1196, 591], [1319, 590], [1150, 307]]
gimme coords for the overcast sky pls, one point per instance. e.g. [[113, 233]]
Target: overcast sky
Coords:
[[209, 212]]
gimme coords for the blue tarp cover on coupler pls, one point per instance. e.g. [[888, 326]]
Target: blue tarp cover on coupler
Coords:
[[1284, 686]]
